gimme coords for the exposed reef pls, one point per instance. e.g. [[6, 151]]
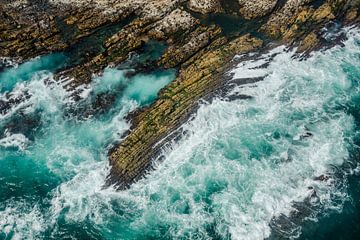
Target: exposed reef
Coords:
[[198, 77], [97, 34], [203, 74]]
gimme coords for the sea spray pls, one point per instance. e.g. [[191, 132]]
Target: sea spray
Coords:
[[240, 164], [25, 71], [248, 161], [65, 154]]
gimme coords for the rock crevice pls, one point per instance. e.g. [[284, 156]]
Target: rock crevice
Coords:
[[104, 33]]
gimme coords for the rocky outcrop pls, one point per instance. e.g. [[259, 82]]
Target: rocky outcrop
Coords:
[[176, 25], [282, 18], [181, 52], [177, 21], [309, 42], [66, 24], [299, 23], [25, 32], [205, 6], [198, 77], [116, 49], [103, 33], [201, 75], [297, 17], [256, 9]]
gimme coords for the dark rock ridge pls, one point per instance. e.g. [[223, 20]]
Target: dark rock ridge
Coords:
[[295, 23], [105, 32], [198, 77]]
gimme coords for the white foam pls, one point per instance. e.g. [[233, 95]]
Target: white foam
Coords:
[[214, 176], [51, 97], [14, 140], [20, 221], [224, 140], [9, 62], [231, 174], [255, 67]]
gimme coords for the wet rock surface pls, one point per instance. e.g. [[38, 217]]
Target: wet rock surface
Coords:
[[98, 34], [198, 77]]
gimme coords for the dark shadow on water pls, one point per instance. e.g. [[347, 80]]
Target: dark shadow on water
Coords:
[[233, 25], [84, 48], [346, 224], [332, 224], [230, 6], [335, 226]]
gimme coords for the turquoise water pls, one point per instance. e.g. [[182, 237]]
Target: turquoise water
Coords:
[[240, 166], [24, 72]]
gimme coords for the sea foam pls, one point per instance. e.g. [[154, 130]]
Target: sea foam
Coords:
[[240, 164]]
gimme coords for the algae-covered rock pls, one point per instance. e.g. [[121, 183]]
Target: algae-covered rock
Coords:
[[197, 40], [198, 78], [309, 42], [101, 33], [281, 19]]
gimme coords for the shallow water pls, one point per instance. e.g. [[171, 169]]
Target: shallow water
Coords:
[[240, 166]]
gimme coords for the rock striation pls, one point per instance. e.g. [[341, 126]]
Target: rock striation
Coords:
[[198, 78], [105, 32], [295, 22]]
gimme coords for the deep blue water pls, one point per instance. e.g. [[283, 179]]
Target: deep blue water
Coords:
[[242, 165]]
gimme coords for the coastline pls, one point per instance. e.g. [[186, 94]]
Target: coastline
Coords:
[[293, 23]]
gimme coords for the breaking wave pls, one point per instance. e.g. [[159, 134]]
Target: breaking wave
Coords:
[[241, 168]]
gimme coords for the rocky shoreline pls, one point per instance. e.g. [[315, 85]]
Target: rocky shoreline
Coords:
[[104, 33]]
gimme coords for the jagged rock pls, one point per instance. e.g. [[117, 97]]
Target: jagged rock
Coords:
[[176, 21], [324, 12], [351, 14], [198, 78], [280, 19], [309, 42], [205, 6], [296, 22], [196, 41], [128, 39], [111, 29], [255, 9], [25, 32]]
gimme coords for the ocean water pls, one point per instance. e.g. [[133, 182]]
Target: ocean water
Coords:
[[41, 65], [282, 163]]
